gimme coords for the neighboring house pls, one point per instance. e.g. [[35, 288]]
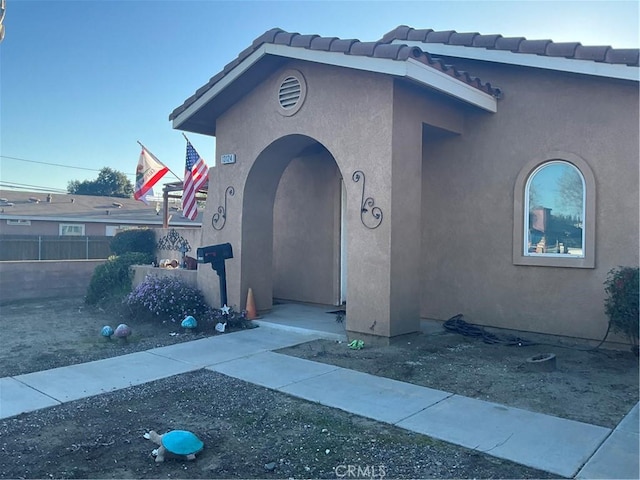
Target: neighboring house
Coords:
[[424, 175], [30, 213]]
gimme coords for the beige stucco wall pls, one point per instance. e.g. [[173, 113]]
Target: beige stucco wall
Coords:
[[443, 175], [350, 113], [468, 198], [253, 124], [306, 234], [140, 273]]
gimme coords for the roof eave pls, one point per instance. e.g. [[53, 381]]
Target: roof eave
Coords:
[[410, 69], [571, 65]]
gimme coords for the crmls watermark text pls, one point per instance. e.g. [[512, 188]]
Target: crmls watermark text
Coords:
[[360, 471]]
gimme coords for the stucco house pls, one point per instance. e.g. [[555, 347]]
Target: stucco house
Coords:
[[423, 175]]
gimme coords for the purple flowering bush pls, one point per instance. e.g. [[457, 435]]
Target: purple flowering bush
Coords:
[[166, 299]]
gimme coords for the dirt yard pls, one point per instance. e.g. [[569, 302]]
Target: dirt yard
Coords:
[[593, 386], [252, 432]]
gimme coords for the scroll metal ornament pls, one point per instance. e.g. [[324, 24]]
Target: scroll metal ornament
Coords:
[[219, 219], [173, 241], [368, 204]]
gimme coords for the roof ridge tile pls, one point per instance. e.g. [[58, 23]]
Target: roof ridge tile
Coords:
[[303, 41], [322, 43], [442, 36], [266, 37], [486, 41], [595, 53], [509, 43], [399, 33], [342, 45], [539, 47], [562, 49], [363, 48], [465, 39], [519, 45]]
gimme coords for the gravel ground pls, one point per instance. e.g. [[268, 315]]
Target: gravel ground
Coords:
[[248, 431], [253, 432]]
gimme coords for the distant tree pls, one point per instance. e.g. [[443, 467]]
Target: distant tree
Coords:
[[571, 192], [110, 183]]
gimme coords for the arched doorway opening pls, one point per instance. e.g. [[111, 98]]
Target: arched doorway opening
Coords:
[[292, 227]]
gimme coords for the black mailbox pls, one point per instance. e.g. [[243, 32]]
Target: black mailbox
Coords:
[[216, 255]]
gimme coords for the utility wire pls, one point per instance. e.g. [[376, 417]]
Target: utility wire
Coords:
[[59, 165], [52, 164], [24, 186]]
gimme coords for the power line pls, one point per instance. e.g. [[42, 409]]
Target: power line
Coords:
[[58, 165], [52, 164], [24, 186]]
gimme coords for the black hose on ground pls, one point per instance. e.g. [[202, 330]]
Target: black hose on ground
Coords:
[[456, 324]]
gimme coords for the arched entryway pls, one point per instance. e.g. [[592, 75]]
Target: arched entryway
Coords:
[[291, 224]]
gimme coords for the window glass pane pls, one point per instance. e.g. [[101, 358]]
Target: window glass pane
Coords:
[[70, 229], [555, 205]]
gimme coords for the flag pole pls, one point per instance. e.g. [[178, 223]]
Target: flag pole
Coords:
[[145, 148]]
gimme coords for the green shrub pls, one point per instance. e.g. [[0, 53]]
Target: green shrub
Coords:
[[621, 304], [136, 240], [166, 299], [112, 280]]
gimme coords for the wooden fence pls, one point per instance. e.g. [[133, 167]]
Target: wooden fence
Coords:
[[41, 247]]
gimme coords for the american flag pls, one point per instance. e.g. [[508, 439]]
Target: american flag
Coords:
[[196, 174]]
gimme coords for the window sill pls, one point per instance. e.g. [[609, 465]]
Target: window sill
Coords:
[[554, 261]]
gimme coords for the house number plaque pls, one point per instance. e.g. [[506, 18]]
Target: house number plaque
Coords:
[[228, 158]]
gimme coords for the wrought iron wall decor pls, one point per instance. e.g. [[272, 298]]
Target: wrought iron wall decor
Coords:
[[367, 205], [221, 215], [174, 241]]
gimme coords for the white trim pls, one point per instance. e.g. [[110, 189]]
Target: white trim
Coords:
[[223, 83], [441, 81], [410, 69], [585, 67]]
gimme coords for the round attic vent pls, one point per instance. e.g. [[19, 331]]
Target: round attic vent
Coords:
[[292, 91]]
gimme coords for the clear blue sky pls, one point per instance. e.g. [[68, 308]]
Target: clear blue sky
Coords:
[[82, 81]]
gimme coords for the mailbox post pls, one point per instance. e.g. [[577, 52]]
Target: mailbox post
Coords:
[[216, 255]]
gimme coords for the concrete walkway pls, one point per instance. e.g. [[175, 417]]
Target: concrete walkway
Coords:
[[561, 447]]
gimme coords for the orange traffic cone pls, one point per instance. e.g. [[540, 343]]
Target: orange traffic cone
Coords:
[[251, 306]]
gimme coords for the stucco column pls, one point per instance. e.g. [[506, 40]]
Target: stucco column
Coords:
[[384, 261], [406, 220]]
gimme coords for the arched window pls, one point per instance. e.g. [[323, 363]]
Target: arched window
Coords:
[[554, 213]]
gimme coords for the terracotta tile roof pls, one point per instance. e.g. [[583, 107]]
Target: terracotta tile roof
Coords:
[[399, 52], [575, 50], [352, 47]]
